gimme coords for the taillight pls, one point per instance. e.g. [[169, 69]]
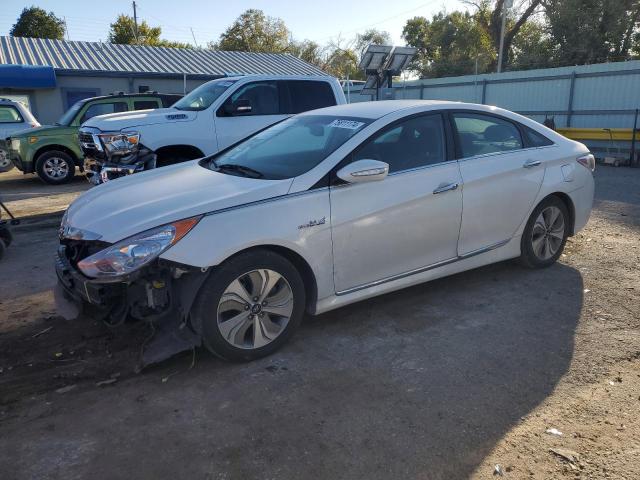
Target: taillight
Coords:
[[588, 161]]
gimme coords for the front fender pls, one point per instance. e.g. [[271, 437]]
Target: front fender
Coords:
[[298, 222]]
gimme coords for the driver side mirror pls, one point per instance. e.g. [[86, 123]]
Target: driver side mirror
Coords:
[[365, 170], [239, 107]]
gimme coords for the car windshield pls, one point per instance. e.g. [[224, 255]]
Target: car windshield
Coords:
[[203, 96], [68, 116], [289, 148]]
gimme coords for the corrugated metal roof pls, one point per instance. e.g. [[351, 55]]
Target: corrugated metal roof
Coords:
[[108, 57]]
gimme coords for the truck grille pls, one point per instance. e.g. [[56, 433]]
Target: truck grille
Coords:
[[86, 140]]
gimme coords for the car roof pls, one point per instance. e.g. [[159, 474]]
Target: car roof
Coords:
[[130, 95], [378, 109]]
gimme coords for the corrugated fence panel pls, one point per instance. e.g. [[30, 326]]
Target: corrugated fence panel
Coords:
[[587, 96]]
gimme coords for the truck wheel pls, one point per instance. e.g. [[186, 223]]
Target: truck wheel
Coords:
[[55, 167]]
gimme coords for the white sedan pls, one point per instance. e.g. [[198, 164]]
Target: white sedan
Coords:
[[324, 209]]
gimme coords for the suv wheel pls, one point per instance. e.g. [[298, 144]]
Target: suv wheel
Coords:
[[250, 306], [5, 162], [55, 167]]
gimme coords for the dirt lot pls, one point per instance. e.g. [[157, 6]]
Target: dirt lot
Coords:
[[445, 380]]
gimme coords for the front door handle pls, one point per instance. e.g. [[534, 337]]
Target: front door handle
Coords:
[[531, 163], [445, 188]]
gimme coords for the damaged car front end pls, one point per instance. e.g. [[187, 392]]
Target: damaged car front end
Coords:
[[127, 281], [110, 155]]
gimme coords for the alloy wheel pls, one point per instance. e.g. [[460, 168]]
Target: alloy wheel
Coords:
[[4, 159], [255, 309], [56, 168], [547, 234]]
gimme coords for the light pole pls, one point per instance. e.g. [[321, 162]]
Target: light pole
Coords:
[[505, 6]]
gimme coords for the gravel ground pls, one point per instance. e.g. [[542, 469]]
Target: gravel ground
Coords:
[[447, 380]]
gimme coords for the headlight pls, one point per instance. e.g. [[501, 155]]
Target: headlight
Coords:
[[121, 143], [135, 252], [15, 144]]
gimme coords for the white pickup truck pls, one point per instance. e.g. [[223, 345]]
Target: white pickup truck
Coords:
[[209, 119]]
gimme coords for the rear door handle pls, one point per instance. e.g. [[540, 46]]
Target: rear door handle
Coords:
[[531, 163], [445, 188]]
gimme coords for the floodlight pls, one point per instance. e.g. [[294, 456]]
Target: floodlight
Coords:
[[375, 57], [399, 60]]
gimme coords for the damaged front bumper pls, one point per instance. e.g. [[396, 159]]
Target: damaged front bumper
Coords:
[[161, 293]]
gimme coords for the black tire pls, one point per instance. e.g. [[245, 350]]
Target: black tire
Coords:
[[63, 160], [529, 256], [205, 308]]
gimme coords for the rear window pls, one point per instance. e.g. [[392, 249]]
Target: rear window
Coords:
[[103, 109], [145, 104], [9, 114], [536, 139], [305, 95]]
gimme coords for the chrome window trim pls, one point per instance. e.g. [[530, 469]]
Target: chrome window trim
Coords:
[[495, 154], [424, 167], [416, 271]]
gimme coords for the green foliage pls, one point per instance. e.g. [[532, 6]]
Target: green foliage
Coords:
[[253, 31], [37, 23], [593, 31], [123, 31]]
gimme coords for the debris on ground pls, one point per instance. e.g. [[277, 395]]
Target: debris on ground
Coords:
[[553, 431], [497, 470], [42, 332], [568, 455], [106, 382], [66, 389]]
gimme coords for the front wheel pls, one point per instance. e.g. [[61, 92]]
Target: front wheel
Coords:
[[55, 167], [250, 306], [5, 162], [545, 234]]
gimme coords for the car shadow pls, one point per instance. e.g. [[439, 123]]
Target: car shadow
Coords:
[[420, 383]]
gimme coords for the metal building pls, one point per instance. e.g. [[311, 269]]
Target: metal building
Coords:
[[51, 75]]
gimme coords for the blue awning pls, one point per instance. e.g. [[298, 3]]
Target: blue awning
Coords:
[[27, 76]]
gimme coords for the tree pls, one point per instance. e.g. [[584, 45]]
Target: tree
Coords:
[[307, 50], [448, 44], [533, 47], [37, 23], [123, 31], [253, 31], [593, 31], [370, 37], [490, 19]]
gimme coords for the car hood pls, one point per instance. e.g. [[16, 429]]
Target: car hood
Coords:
[[48, 130], [117, 121], [130, 205]]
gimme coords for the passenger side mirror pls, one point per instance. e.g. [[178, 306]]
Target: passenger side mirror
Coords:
[[241, 106], [365, 170]]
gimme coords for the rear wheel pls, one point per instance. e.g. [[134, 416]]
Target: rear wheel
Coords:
[[5, 162], [545, 234], [250, 306], [55, 167]]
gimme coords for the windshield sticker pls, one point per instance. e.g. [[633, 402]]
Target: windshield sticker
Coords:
[[350, 124]]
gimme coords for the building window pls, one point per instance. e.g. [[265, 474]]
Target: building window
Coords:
[[72, 95]]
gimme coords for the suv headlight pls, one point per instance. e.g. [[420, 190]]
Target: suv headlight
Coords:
[[121, 143], [135, 252], [15, 144]]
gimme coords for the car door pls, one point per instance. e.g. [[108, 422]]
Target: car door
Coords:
[[10, 121], [252, 107], [407, 221], [501, 179]]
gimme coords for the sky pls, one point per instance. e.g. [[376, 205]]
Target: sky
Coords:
[[320, 21]]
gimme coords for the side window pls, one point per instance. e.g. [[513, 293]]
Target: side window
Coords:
[[308, 95], [145, 104], [536, 139], [103, 109], [262, 97], [9, 114], [416, 142], [481, 134]]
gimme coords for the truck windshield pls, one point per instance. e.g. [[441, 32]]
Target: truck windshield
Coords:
[[289, 148], [203, 96], [68, 116]]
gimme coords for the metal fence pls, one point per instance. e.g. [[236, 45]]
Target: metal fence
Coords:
[[588, 96]]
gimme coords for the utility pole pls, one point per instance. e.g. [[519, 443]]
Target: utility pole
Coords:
[[505, 6], [135, 21]]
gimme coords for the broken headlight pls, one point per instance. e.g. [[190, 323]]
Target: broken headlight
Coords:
[[121, 143], [135, 252]]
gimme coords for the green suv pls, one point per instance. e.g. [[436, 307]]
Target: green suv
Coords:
[[53, 151]]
